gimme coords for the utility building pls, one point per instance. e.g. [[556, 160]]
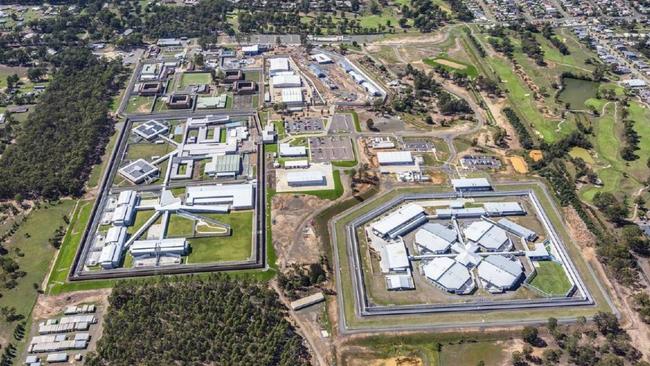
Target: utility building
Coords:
[[394, 258]]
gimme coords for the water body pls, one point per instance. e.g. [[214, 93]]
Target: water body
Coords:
[[576, 92]]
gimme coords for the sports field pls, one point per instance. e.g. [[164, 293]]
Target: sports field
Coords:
[[195, 78], [551, 278]]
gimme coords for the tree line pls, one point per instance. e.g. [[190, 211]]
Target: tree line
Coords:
[[192, 320], [67, 131]]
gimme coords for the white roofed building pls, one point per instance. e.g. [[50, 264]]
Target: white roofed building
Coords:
[[499, 273], [279, 64], [488, 236], [394, 258], [401, 221], [305, 178], [435, 238], [286, 81], [174, 246], [504, 208], [471, 184], [292, 96], [449, 275], [235, 196], [124, 209], [288, 151], [399, 282], [394, 158]]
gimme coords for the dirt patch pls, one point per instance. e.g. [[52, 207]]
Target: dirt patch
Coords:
[[294, 238], [451, 64], [392, 361], [519, 164], [51, 306], [536, 155]]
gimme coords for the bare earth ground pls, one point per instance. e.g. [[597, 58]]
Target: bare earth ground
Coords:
[[289, 212]]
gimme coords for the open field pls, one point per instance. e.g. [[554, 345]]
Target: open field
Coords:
[[195, 78], [180, 227], [138, 104], [147, 150], [235, 247], [551, 278], [31, 239], [452, 65]]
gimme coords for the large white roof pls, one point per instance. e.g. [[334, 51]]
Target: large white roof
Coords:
[[286, 80], [292, 95], [394, 157], [279, 64], [237, 195], [288, 150], [447, 272], [498, 208], [396, 256], [476, 230], [398, 218], [470, 183], [499, 271], [305, 176], [435, 237]]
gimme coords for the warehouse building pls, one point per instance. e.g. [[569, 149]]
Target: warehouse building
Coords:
[[223, 166], [150, 129], [401, 221], [286, 150], [435, 238], [504, 208], [296, 164], [286, 80], [460, 213], [292, 97], [488, 236], [169, 246], [394, 258], [449, 275], [277, 65], [518, 230], [499, 274], [124, 209], [138, 171], [306, 178], [235, 196], [394, 158], [57, 357], [471, 184]]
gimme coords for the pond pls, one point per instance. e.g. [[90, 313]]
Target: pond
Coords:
[[576, 92]]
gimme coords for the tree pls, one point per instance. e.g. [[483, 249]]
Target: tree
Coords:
[[12, 80], [530, 335], [517, 359], [552, 324], [607, 323], [35, 74], [611, 207]]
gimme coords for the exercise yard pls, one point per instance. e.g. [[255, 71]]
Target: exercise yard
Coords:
[[236, 247], [551, 278], [138, 104], [195, 78]]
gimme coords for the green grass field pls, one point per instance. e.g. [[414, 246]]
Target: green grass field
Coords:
[[141, 218], [551, 278], [582, 153], [138, 104], [32, 240], [147, 150], [237, 246], [447, 63], [195, 78], [180, 226]]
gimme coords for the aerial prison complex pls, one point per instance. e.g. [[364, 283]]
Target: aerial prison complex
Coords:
[[473, 241]]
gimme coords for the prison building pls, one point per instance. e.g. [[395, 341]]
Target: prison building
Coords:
[[235, 196], [230, 76], [181, 168], [518, 230], [394, 158], [169, 246], [251, 50], [286, 80], [401, 221], [150, 89], [305, 178], [499, 273], [223, 166], [110, 256], [124, 209], [150, 129], [488, 236], [287, 150], [504, 208], [138, 171], [276, 65], [435, 238], [179, 101], [269, 134], [292, 96], [244, 87], [539, 253], [471, 184], [399, 282], [296, 164], [394, 258], [449, 275], [461, 213]]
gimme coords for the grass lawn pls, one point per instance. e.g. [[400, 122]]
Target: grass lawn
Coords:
[[551, 278], [32, 239], [147, 150], [452, 65], [141, 218], [180, 226], [237, 246], [195, 78], [582, 153], [473, 353], [138, 104]]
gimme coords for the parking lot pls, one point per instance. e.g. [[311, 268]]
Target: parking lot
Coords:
[[304, 126], [342, 122], [330, 148], [420, 145]]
